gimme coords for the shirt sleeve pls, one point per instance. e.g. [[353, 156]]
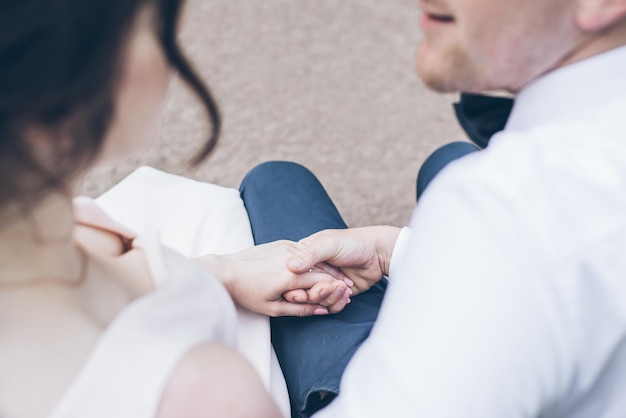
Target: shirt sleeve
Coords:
[[470, 325], [402, 242]]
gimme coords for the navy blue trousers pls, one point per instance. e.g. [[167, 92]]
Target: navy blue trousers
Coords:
[[286, 201], [438, 160]]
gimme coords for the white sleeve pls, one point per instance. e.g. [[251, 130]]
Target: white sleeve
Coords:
[[402, 242], [197, 218], [469, 326]]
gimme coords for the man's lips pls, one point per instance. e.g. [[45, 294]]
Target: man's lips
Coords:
[[442, 18], [433, 20], [435, 12]]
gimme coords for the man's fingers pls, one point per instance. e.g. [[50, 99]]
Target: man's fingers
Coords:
[[319, 247], [300, 263], [309, 279], [335, 272]]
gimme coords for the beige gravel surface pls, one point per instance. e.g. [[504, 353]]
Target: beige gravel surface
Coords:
[[327, 83]]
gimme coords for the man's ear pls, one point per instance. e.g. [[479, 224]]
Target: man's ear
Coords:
[[596, 15]]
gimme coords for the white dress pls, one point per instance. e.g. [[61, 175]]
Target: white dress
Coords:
[[126, 373]]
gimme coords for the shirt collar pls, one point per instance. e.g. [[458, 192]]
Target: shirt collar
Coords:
[[571, 92]]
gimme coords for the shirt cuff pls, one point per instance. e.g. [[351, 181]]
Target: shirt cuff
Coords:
[[399, 249]]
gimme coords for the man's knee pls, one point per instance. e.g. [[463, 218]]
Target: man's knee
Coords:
[[439, 159], [272, 174]]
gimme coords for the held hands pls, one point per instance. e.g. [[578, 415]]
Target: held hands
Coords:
[[362, 254], [257, 279], [315, 276]]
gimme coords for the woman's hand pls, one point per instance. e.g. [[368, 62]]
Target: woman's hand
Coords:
[[258, 279]]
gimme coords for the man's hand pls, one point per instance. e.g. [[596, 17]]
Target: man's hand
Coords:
[[362, 254], [257, 279]]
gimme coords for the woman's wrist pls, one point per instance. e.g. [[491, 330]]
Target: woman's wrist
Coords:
[[217, 265]]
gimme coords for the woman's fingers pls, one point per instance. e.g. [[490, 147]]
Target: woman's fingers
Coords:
[[296, 296], [320, 288], [328, 294], [284, 308]]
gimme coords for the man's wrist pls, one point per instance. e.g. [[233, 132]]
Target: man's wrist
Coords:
[[387, 238]]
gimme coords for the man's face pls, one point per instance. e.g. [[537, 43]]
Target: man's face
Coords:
[[478, 45]]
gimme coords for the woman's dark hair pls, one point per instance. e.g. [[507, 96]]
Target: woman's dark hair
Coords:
[[60, 64]]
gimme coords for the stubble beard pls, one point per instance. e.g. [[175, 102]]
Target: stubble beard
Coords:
[[447, 72], [508, 65]]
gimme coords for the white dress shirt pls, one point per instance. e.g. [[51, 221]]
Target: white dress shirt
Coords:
[[509, 298]]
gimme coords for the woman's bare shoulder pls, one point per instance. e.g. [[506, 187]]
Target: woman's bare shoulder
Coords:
[[215, 381]]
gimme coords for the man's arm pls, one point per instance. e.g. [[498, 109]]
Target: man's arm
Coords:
[[471, 324]]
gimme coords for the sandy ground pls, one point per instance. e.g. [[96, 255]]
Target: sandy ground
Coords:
[[327, 83]]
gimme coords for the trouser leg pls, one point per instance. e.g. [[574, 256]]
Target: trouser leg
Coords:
[[285, 201], [438, 160]]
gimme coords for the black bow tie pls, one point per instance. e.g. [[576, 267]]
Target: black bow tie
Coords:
[[482, 116]]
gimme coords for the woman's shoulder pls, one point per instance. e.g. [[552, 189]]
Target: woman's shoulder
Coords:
[[139, 350], [213, 380], [145, 341]]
